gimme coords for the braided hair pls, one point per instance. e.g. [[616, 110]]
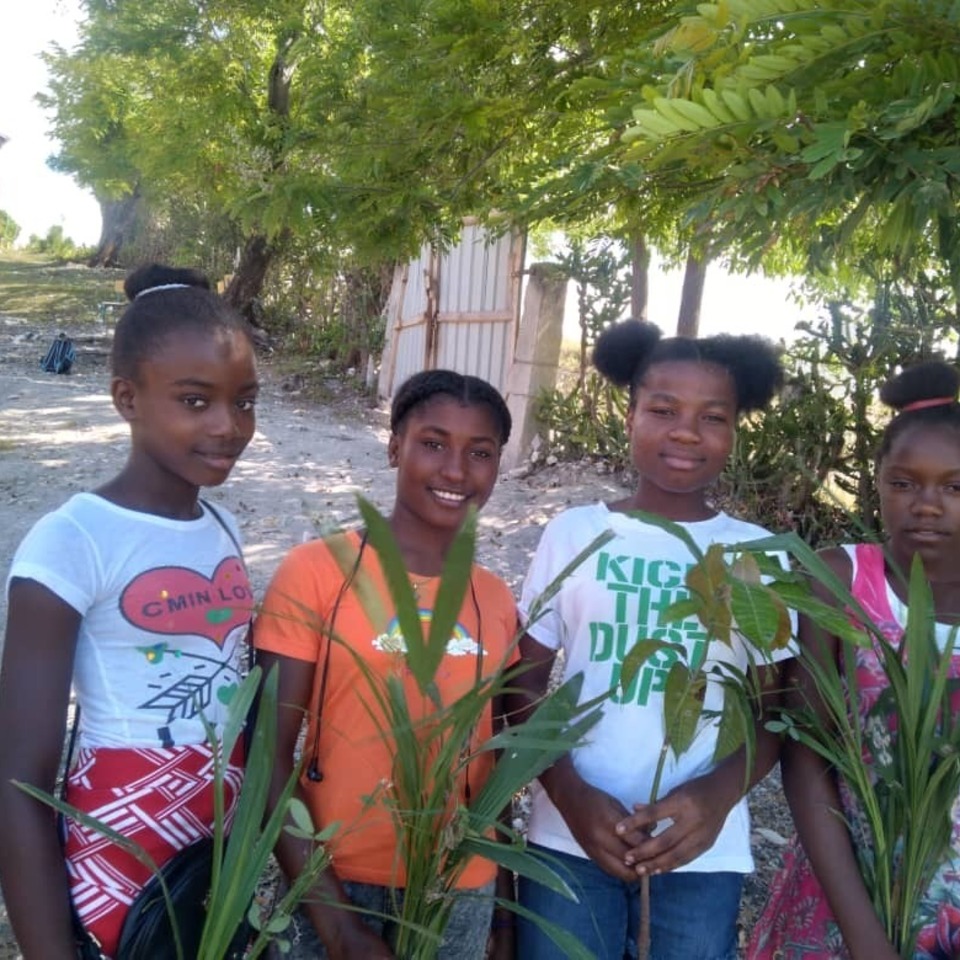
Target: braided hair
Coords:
[[467, 390]]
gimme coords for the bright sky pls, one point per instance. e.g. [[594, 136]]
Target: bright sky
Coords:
[[731, 304], [35, 196]]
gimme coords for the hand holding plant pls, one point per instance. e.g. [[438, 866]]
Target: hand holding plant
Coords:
[[742, 613]]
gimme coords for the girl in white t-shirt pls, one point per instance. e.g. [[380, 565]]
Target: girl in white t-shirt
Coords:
[[591, 811], [137, 595]]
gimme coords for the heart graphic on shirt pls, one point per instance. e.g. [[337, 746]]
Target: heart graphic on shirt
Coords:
[[176, 601]]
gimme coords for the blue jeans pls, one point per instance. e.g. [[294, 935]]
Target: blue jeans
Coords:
[[693, 916]]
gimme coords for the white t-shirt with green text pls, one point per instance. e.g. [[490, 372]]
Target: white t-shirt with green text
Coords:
[[611, 601]]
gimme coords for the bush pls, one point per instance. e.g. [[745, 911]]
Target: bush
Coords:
[[9, 230]]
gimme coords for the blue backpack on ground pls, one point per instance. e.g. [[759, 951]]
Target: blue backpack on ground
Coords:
[[59, 358]]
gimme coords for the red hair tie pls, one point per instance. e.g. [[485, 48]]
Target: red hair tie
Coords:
[[932, 402]]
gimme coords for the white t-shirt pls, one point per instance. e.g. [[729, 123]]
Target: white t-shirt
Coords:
[[612, 600], [165, 604]]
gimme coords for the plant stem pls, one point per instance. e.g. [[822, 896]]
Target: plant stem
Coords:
[[643, 935]]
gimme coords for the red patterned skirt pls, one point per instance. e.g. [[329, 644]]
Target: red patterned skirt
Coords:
[[160, 798]]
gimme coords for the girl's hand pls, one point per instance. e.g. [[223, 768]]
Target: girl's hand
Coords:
[[697, 816], [592, 816]]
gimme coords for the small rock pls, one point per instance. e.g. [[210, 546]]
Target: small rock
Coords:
[[771, 836]]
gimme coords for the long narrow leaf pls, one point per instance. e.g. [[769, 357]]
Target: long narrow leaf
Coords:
[[401, 593], [542, 602], [454, 583]]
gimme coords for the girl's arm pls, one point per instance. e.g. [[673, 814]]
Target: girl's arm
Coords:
[[341, 930], [590, 813], [38, 652], [699, 807], [811, 791]]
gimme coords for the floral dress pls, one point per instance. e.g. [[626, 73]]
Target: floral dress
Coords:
[[797, 923]]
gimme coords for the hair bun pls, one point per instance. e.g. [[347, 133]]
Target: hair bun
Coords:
[[621, 347], [928, 380], [153, 275]]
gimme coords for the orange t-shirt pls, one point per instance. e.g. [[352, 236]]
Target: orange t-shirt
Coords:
[[355, 757]]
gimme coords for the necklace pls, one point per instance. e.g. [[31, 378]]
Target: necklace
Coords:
[[417, 584]]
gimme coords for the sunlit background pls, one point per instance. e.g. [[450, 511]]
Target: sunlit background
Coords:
[[38, 199]]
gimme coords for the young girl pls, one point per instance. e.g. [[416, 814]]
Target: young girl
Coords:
[[447, 431], [591, 811], [818, 906], [136, 592]]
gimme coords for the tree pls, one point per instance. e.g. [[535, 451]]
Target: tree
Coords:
[[799, 131], [368, 127], [187, 100]]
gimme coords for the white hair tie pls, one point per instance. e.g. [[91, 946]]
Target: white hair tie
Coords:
[[162, 286]]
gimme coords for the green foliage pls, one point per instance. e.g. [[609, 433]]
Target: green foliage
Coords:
[[55, 245], [329, 310], [9, 230], [38, 288], [437, 835], [810, 128], [727, 595], [589, 421]]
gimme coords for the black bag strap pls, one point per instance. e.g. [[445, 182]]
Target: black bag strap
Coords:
[[218, 516]]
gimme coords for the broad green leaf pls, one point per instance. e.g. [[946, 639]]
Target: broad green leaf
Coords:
[[735, 728], [709, 582], [639, 654], [455, 581], [518, 859], [568, 945], [680, 610], [682, 704], [760, 615], [343, 549]]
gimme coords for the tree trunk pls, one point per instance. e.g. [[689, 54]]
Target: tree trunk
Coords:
[[243, 291], [688, 322], [118, 217], [639, 278]]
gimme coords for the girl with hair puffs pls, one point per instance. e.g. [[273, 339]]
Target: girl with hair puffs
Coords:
[[819, 908], [591, 810], [114, 592]]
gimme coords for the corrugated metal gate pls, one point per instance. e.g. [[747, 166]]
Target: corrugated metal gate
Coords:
[[458, 309]]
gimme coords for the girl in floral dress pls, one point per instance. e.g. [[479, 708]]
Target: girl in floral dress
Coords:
[[819, 906]]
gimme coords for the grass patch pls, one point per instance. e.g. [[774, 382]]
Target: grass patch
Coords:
[[40, 290]]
